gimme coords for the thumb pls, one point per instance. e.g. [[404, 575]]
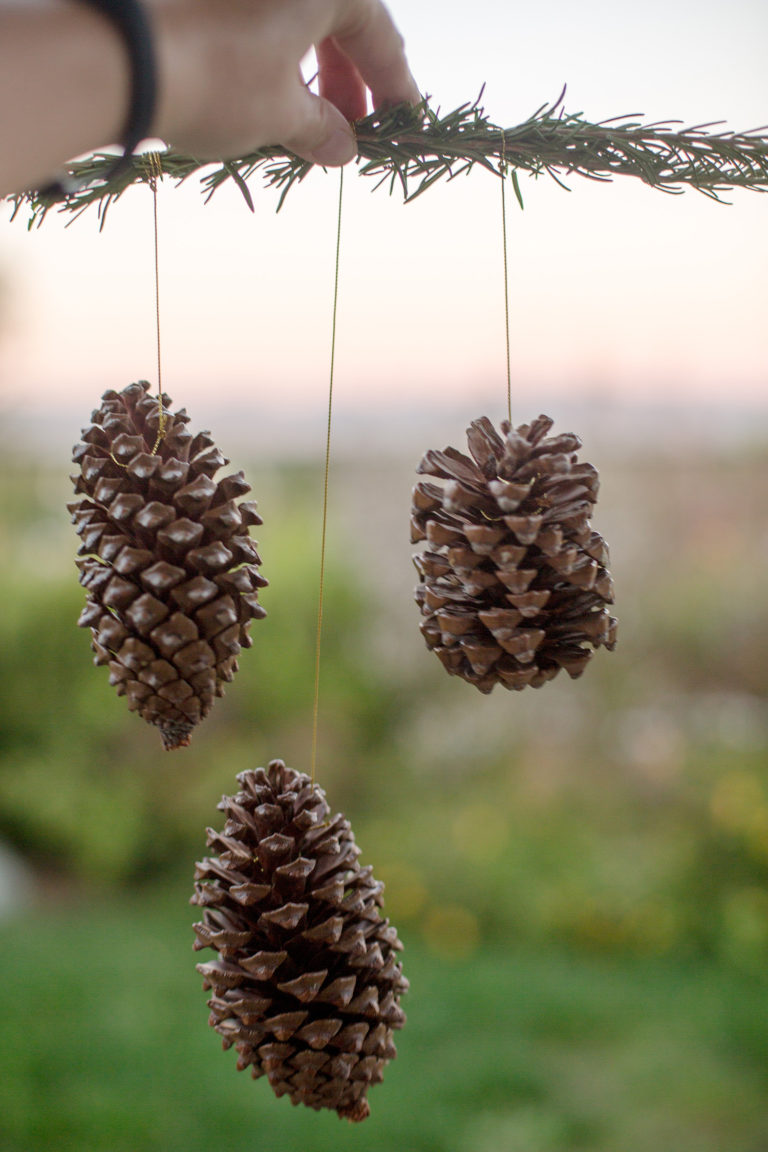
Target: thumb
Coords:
[[320, 134]]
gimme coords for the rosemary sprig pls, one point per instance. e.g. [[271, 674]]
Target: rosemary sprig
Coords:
[[413, 148]]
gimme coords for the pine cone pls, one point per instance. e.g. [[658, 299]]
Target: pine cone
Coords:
[[514, 585], [307, 984], [170, 570]]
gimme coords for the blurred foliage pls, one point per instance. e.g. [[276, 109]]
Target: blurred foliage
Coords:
[[84, 785], [625, 813], [105, 1048], [580, 874]]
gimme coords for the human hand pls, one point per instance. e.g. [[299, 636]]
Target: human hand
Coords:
[[230, 80]]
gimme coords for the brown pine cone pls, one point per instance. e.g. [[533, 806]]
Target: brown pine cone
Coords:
[[170, 569], [307, 983], [514, 584]]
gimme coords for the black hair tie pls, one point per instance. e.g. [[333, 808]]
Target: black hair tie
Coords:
[[132, 22]]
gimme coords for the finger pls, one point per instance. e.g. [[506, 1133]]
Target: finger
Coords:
[[375, 47], [340, 81], [319, 132]]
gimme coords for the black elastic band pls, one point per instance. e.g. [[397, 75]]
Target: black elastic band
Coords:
[[133, 24]]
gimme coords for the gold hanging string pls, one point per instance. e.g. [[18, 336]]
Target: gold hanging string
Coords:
[[318, 638], [155, 174], [503, 172]]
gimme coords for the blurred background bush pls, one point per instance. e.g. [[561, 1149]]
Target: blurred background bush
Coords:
[[579, 874]]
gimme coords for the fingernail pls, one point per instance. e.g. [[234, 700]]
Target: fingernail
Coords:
[[338, 148]]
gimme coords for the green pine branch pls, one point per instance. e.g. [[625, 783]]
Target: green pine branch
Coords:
[[413, 148]]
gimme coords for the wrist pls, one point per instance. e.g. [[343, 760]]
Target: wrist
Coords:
[[137, 75], [66, 78]]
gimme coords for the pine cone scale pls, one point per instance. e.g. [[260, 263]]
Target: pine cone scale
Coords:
[[159, 540], [508, 530], [319, 969]]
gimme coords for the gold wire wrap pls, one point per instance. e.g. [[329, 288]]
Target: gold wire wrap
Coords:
[[503, 174], [155, 169]]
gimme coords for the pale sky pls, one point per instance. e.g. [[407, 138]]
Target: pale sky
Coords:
[[615, 289]]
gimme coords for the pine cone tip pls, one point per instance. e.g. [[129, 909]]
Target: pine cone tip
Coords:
[[356, 1112], [175, 735]]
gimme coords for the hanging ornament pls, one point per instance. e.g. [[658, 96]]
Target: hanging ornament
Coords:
[[514, 583], [169, 567], [307, 983]]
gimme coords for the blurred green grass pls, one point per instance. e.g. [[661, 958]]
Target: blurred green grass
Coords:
[[106, 1048], [580, 874]]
